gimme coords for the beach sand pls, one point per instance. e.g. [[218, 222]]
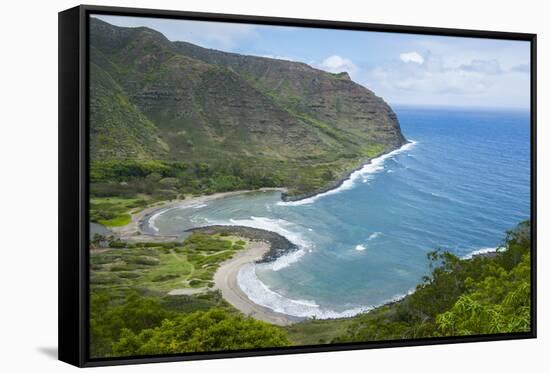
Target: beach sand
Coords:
[[225, 280]]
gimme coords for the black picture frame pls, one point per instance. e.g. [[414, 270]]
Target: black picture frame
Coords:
[[74, 180]]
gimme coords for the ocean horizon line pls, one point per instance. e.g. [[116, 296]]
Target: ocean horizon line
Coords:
[[460, 107]]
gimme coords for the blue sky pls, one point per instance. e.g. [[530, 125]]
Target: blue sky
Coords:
[[404, 69]]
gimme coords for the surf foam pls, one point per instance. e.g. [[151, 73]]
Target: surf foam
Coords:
[[152, 220], [279, 226], [484, 250], [374, 235], [155, 216], [374, 166], [262, 295]]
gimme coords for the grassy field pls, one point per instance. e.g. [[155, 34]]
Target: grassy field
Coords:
[[130, 284], [155, 269], [115, 211], [161, 267]]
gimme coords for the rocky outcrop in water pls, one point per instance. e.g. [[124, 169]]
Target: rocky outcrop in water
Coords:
[[279, 245]]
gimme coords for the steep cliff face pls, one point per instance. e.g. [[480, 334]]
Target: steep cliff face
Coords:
[[309, 93], [156, 99]]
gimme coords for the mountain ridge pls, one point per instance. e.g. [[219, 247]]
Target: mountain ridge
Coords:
[[202, 105]]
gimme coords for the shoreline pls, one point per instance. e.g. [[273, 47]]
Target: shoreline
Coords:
[[135, 232], [278, 245], [264, 245], [225, 280], [135, 229], [258, 251], [338, 182]]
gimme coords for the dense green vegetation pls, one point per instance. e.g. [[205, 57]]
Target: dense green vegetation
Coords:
[[173, 118], [483, 295], [214, 330], [160, 267], [166, 180], [114, 212], [130, 285], [170, 180], [132, 312]]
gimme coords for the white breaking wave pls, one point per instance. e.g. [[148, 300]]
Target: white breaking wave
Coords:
[[484, 250], [286, 260], [152, 219], [360, 248], [374, 235], [260, 294], [374, 166], [281, 227]]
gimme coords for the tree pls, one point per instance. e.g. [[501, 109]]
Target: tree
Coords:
[[214, 330], [499, 304], [134, 314], [482, 295]]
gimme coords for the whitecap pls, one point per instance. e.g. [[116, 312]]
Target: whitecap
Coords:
[[374, 235], [360, 248]]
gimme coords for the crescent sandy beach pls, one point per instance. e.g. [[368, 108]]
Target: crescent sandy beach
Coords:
[[225, 278]]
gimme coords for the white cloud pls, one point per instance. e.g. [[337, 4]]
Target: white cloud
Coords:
[[338, 64], [432, 76], [414, 57], [491, 67], [441, 79]]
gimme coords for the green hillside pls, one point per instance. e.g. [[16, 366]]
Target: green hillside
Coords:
[[285, 123]]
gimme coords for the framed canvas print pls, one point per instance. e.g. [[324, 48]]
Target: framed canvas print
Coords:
[[238, 186]]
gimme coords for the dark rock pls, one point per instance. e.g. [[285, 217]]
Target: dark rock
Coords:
[[279, 245]]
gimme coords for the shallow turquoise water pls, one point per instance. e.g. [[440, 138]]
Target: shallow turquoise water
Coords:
[[459, 186]]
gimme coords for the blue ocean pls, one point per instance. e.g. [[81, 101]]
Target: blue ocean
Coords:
[[462, 181]]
